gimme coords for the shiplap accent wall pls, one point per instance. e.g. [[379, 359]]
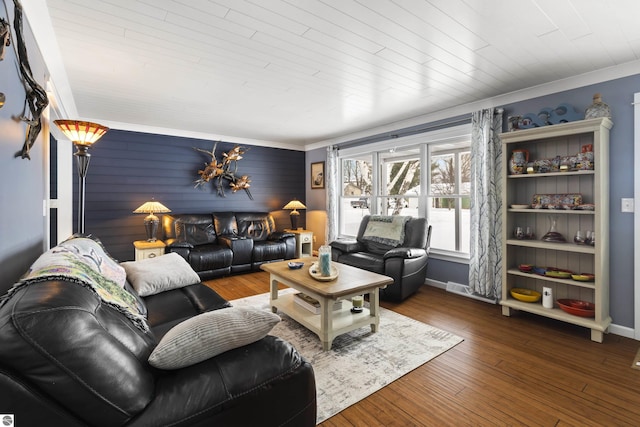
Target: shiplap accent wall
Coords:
[[129, 168]]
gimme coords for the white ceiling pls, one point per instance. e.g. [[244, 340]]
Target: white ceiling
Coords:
[[296, 73]]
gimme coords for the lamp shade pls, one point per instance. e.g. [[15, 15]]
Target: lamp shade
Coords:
[[81, 133], [294, 204], [152, 207]]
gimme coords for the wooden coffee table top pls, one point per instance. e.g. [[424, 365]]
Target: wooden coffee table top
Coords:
[[349, 280]]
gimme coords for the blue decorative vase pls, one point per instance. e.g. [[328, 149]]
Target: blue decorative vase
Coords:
[[324, 260]]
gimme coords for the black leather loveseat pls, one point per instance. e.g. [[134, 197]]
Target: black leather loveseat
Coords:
[[403, 256], [69, 358], [220, 243]]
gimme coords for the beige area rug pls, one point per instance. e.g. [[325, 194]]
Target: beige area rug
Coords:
[[636, 361], [360, 362]]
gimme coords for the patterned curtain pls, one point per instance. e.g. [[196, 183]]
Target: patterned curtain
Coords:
[[332, 181], [485, 265]]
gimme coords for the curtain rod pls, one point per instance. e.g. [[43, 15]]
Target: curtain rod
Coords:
[[404, 132]]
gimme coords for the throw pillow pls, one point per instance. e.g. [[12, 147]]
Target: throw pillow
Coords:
[[154, 275], [388, 230], [209, 334]]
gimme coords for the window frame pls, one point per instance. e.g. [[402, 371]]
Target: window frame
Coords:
[[436, 141]]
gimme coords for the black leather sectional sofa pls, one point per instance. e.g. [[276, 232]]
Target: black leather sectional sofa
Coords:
[[220, 243], [69, 359]]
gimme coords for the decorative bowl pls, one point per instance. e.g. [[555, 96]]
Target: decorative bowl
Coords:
[[577, 307], [314, 271], [583, 277], [520, 206], [295, 265], [558, 274], [525, 268], [526, 295], [539, 270]]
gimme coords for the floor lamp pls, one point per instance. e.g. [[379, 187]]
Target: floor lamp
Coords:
[[83, 135]]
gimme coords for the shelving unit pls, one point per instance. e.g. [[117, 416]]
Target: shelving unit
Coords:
[[548, 142]]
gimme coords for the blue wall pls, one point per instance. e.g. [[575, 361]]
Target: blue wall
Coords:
[[22, 238], [129, 168]]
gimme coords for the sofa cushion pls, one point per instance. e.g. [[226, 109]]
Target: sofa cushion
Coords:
[[225, 223], [269, 250], [169, 308], [210, 257], [364, 260], [195, 229], [210, 334], [255, 225], [153, 275]]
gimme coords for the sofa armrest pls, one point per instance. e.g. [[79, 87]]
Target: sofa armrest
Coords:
[[174, 243], [242, 248], [280, 235], [347, 246], [406, 253]]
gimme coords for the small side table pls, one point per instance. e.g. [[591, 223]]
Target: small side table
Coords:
[[304, 242], [146, 249]]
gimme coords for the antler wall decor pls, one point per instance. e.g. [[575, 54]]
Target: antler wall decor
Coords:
[[36, 97], [226, 170]]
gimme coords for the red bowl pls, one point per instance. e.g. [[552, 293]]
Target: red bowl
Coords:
[[577, 307], [525, 268]]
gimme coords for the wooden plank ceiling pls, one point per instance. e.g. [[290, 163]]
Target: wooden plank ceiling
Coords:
[[302, 71]]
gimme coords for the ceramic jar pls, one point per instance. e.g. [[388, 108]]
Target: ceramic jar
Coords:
[[518, 161]]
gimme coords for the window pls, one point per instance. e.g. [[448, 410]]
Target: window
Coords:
[[449, 199], [380, 180], [357, 182], [400, 181]]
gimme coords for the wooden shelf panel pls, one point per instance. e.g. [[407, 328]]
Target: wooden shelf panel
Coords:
[[568, 282], [552, 211], [558, 314], [343, 319], [565, 247], [551, 174]]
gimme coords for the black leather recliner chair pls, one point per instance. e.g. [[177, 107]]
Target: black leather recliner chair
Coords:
[[405, 263]]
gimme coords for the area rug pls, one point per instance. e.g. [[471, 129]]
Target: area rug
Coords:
[[360, 362]]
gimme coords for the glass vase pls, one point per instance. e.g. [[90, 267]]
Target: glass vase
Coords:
[[553, 235]]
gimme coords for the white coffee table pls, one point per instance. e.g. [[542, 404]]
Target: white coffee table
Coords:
[[329, 323]]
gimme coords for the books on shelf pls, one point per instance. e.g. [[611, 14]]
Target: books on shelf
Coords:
[[312, 304]]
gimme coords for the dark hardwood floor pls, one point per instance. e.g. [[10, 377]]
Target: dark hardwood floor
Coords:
[[518, 370]]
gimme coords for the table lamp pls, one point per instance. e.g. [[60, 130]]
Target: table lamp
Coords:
[[294, 205], [151, 221]]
